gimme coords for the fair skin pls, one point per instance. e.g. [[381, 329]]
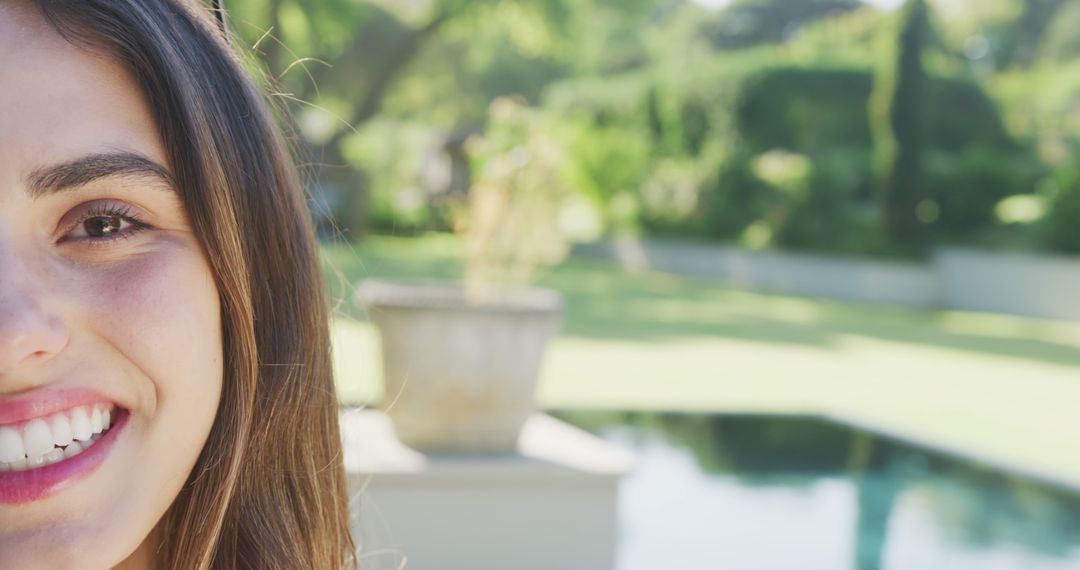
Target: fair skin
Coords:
[[91, 299]]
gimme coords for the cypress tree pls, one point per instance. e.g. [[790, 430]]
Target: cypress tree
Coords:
[[898, 113]]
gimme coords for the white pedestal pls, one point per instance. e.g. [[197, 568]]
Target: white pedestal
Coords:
[[551, 505]]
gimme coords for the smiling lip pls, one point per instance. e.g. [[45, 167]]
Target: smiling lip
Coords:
[[41, 403], [34, 484]]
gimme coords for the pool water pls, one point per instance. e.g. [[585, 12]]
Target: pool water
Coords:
[[723, 492]]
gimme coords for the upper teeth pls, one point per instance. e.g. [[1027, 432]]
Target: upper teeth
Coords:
[[42, 441]]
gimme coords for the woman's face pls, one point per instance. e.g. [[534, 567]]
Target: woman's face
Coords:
[[108, 310]]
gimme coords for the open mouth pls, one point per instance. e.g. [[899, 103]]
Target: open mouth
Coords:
[[56, 438]]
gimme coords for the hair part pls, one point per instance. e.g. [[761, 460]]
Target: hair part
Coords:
[[268, 489]]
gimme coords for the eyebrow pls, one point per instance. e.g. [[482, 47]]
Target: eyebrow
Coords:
[[84, 170]]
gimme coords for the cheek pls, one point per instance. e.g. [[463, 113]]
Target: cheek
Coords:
[[161, 313], [158, 316]]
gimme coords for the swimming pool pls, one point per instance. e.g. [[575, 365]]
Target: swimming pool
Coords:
[[715, 491]]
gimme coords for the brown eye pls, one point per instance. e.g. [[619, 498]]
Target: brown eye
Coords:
[[104, 223], [103, 226]]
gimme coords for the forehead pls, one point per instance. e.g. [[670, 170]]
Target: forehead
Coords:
[[59, 102]]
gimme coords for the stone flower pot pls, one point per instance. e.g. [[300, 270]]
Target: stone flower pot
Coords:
[[459, 376]]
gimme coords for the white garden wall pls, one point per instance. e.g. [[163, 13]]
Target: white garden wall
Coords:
[[1021, 284], [1034, 286]]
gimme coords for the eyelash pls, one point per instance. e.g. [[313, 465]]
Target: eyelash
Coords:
[[124, 212]]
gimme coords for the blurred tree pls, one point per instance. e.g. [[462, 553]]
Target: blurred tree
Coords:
[[850, 39], [340, 63], [1030, 30], [1061, 42], [998, 34], [333, 63], [748, 23], [337, 48], [898, 110], [660, 122]]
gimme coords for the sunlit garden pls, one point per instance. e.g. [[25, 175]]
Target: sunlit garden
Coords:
[[849, 303], [988, 384]]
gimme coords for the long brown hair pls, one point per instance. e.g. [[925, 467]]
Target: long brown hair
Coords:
[[268, 490]]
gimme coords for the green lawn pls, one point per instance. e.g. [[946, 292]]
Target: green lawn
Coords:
[[998, 387]]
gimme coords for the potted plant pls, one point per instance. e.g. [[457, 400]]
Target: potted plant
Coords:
[[461, 360]]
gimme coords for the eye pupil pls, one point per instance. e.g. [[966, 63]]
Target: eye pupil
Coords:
[[102, 226]]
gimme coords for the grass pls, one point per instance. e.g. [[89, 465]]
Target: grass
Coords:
[[1000, 388]]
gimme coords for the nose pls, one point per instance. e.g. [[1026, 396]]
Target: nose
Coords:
[[29, 332]]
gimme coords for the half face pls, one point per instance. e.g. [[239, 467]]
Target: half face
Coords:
[[110, 332]]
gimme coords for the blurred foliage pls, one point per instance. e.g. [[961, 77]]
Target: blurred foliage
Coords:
[[761, 103], [608, 160], [805, 108], [808, 108], [962, 190], [1061, 42], [1058, 229], [398, 201], [509, 218], [836, 210], [667, 110], [899, 114], [749, 23], [735, 199]]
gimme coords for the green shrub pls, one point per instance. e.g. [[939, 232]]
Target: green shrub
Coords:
[[620, 99], [962, 115], [836, 210], [678, 122], [808, 109], [1057, 231], [607, 161], [669, 197], [962, 190], [832, 205], [391, 154], [651, 135], [804, 109], [733, 199]]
